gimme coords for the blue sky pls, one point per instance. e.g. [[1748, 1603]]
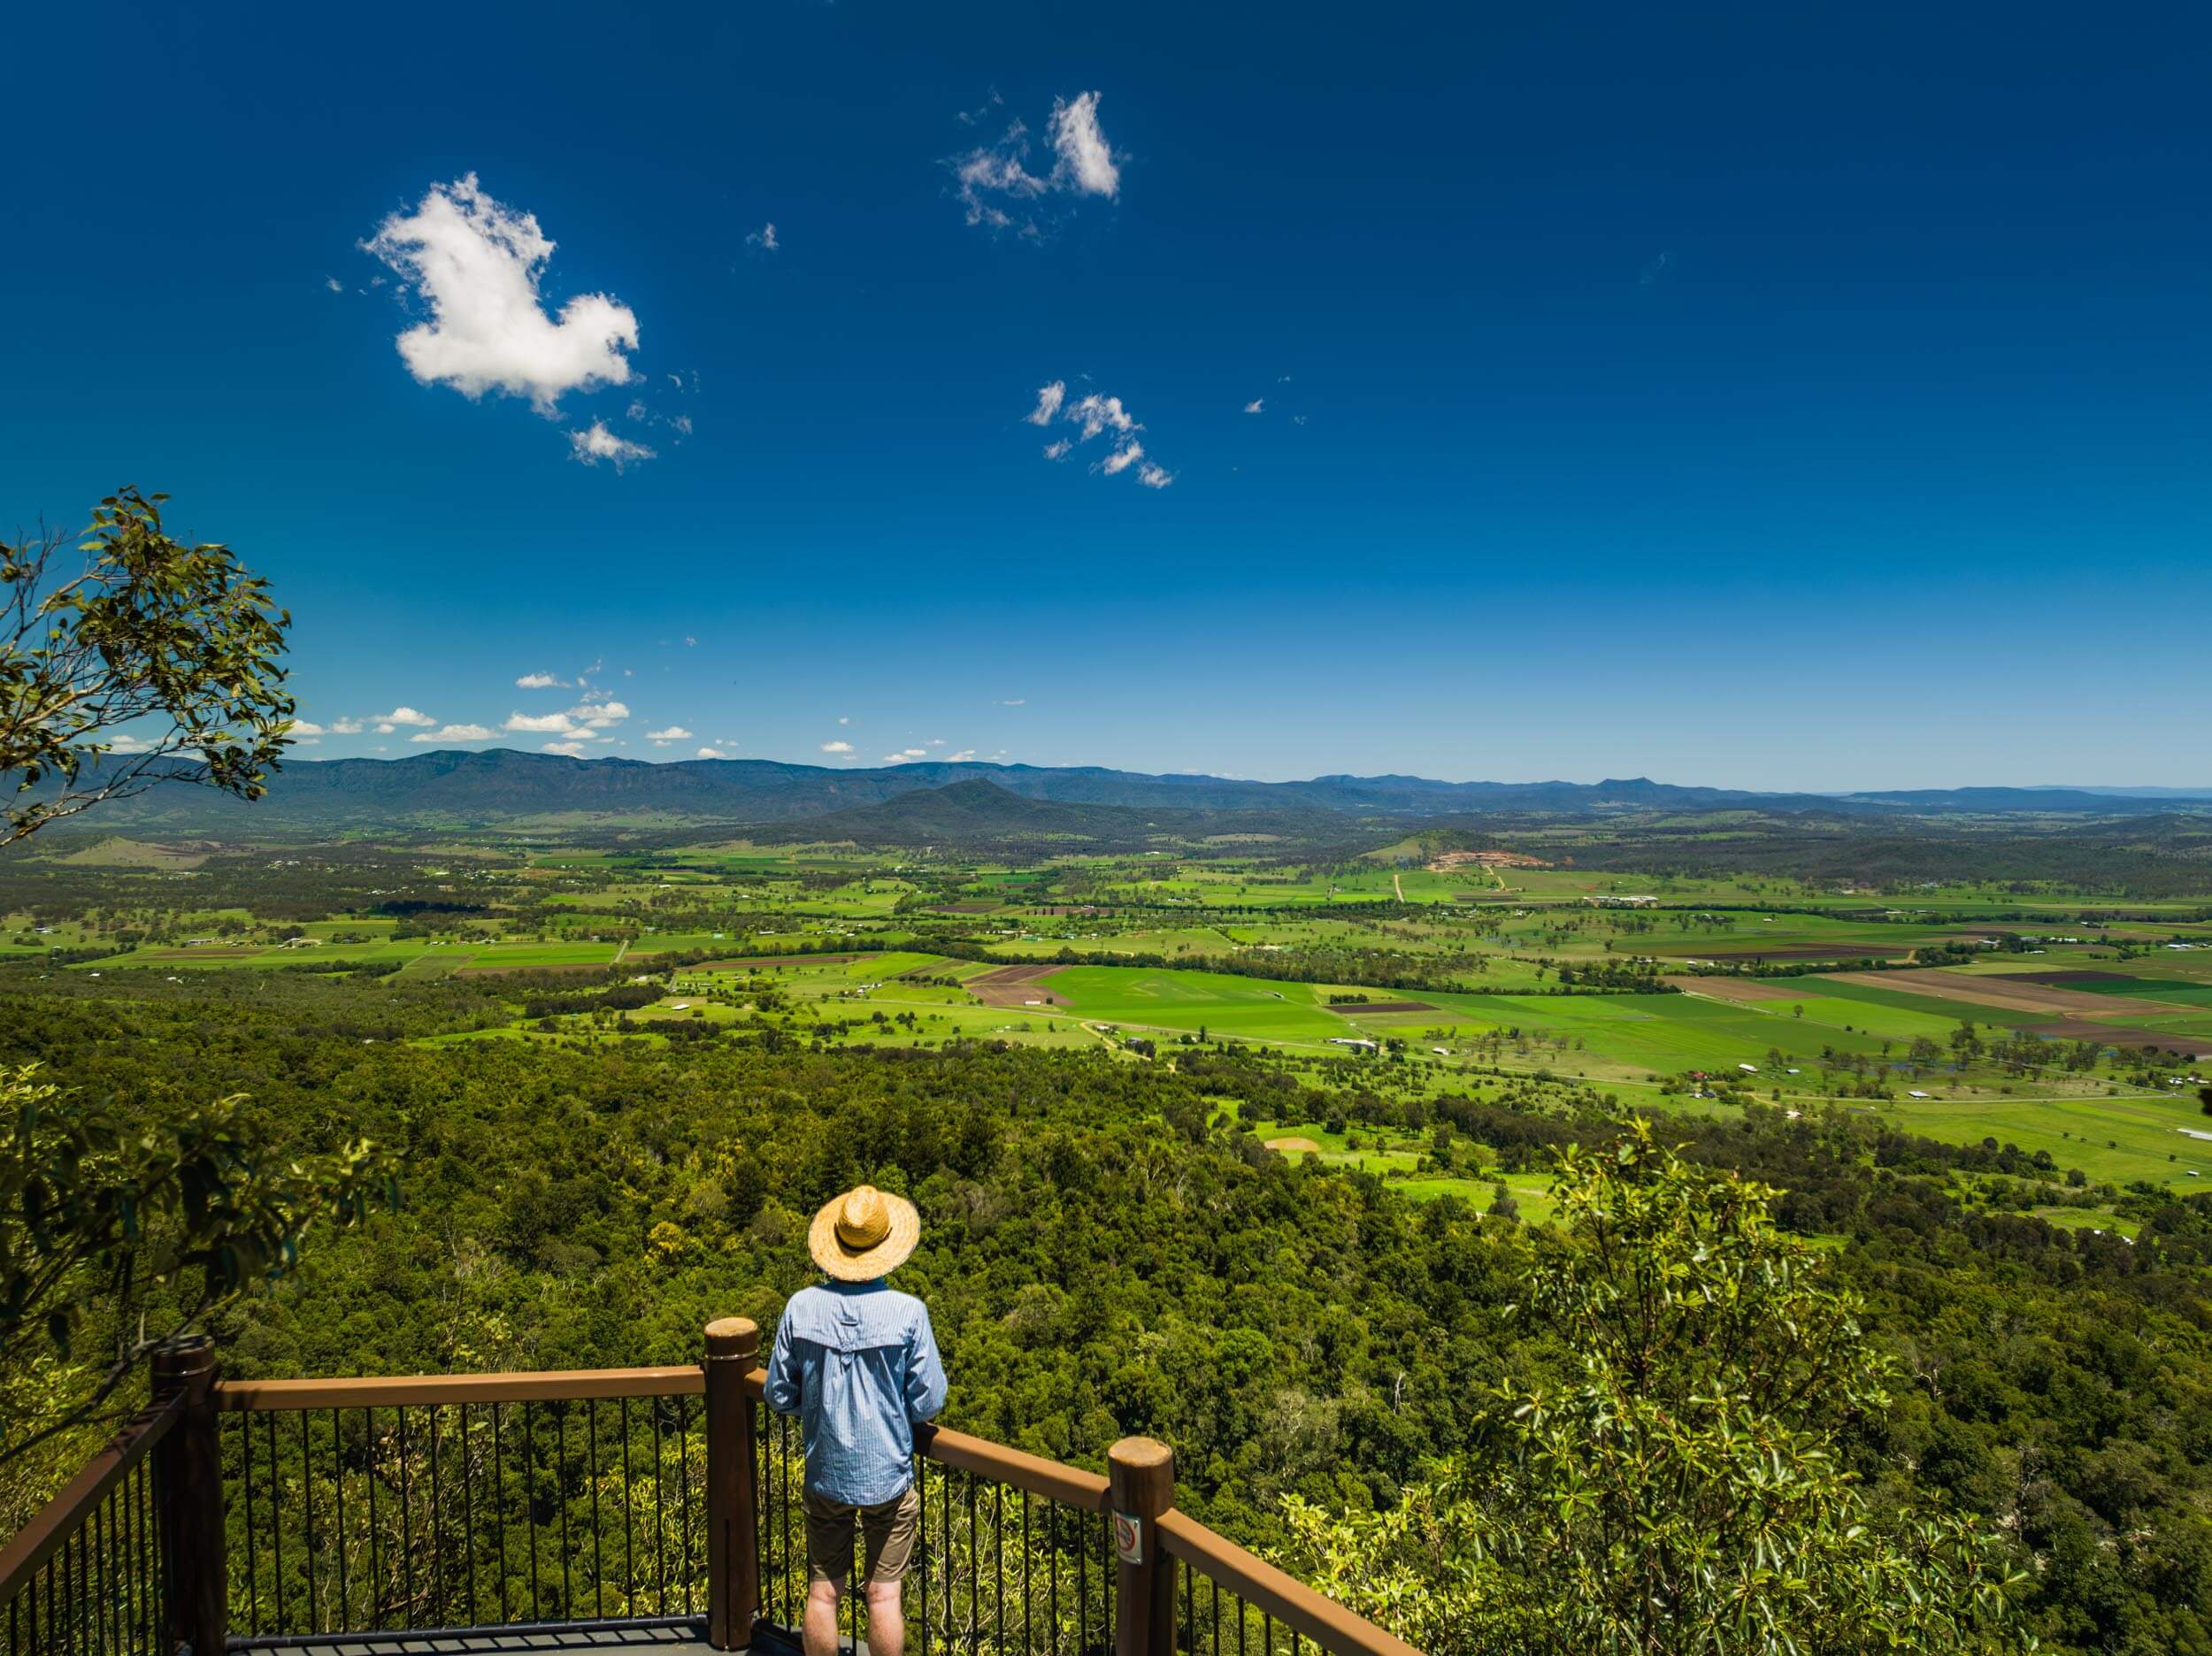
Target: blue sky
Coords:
[[1793, 397]]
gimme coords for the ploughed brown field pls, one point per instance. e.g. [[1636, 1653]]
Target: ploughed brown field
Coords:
[[1743, 988], [2007, 991], [1015, 987], [2121, 1035]]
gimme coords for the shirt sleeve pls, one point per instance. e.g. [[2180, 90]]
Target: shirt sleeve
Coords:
[[781, 1389], [924, 1371]]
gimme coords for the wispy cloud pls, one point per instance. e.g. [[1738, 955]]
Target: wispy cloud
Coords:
[[1095, 414], [587, 719], [453, 732], [1049, 398], [1014, 702], [962, 757], [674, 732], [1122, 458], [541, 681], [477, 264], [995, 186], [1257, 405], [765, 239], [1084, 158], [595, 444]]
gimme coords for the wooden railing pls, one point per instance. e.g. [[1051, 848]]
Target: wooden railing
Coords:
[[287, 1510]]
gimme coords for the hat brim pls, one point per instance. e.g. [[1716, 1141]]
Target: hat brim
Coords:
[[867, 1264]]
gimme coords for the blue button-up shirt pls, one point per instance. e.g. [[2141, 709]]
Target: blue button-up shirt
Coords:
[[858, 1362]]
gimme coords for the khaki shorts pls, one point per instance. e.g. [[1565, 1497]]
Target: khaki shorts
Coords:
[[888, 1532]]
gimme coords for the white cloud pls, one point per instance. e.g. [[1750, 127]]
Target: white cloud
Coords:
[[1257, 405], [765, 239], [936, 741], [541, 723], [904, 755], [837, 746], [1096, 413], [595, 444], [569, 749], [1085, 157], [1122, 458], [477, 264], [1298, 420], [962, 757], [333, 284], [400, 715], [578, 721], [674, 732], [128, 743], [345, 727], [844, 719], [689, 643], [541, 681], [1048, 399], [1014, 702], [305, 727], [453, 732], [712, 753], [999, 191], [997, 170]]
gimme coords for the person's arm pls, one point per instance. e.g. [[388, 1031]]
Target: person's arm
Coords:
[[924, 1371], [780, 1391]]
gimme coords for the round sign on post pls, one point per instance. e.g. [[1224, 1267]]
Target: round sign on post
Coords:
[[1129, 1537]]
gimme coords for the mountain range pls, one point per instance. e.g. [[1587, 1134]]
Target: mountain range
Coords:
[[452, 788]]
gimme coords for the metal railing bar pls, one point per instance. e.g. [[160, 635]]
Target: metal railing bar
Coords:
[[513, 1630], [54, 1522], [1278, 1596], [423, 1390]]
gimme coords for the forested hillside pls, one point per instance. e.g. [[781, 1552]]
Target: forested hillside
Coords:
[[1107, 1252]]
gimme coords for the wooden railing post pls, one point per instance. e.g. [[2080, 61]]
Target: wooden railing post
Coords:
[[733, 1558], [188, 1477], [1140, 1485]]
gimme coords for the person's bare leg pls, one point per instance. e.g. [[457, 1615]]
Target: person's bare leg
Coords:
[[819, 1631], [887, 1620]]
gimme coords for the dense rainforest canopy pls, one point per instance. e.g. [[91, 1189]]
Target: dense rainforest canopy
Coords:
[[1106, 1251]]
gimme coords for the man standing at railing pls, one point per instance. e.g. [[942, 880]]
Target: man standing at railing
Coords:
[[858, 1362]]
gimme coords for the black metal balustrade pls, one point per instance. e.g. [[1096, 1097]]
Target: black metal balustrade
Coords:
[[256, 1513]]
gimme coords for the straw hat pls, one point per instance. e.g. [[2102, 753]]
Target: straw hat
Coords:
[[863, 1234]]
